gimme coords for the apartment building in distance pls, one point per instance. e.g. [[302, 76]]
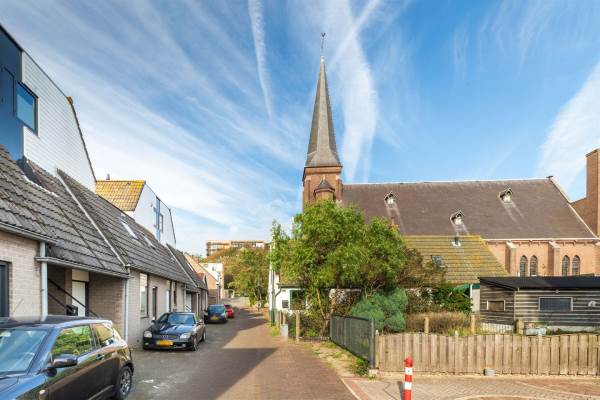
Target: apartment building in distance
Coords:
[[213, 246]]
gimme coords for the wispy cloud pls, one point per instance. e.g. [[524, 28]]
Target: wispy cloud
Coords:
[[574, 132], [460, 43], [255, 11]]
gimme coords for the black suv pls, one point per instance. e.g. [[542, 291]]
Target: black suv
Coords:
[[62, 357]]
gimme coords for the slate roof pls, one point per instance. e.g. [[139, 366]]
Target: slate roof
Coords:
[[322, 150], [538, 209], [544, 282], [143, 252], [464, 263], [124, 194], [77, 239], [183, 262], [17, 212]]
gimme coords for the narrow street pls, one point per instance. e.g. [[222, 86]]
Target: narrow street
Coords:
[[239, 360]]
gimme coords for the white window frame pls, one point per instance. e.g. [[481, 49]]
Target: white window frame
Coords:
[[553, 297], [487, 305]]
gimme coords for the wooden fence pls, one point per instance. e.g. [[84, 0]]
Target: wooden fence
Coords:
[[506, 354]]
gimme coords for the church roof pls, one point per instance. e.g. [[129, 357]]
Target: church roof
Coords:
[[322, 150], [124, 194], [537, 209]]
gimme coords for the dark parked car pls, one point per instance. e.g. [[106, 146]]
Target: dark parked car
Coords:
[[61, 357], [175, 330], [216, 313]]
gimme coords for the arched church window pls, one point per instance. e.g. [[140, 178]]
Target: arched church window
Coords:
[[533, 266], [565, 265], [576, 266], [523, 266]]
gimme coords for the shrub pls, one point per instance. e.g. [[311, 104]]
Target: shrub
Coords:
[[441, 322], [386, 310], [310, 325], [440, 298]]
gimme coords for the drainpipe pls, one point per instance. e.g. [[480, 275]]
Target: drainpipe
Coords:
[[126, 322], [44, 279]]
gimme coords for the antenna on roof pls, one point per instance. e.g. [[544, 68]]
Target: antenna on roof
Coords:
[[323, 34]]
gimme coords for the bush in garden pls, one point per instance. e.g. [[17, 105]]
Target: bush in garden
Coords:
[[439, 322], [386, 310]]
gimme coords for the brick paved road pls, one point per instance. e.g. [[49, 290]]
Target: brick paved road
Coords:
[[240, 360], [447, 387]]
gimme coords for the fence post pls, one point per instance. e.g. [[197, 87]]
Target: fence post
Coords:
[[408, 372], [297, 325], [472, 324], [426, 324], [371, 344]]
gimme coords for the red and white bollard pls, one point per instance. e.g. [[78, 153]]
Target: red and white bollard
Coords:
[[408, 374]]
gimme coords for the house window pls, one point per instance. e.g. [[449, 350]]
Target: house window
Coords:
[[27, 107], [128, 229], [144, 295], [565, 266], [456, 241], [523, 266], [161, 222], [438, 260], [154, 302], [555, 304], [533, 266], [576, 264], [175, 296], [149, 242], [285, 304], [4, 310], [496, 305]]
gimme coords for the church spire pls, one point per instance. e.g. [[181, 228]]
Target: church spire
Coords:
[[322, 151]]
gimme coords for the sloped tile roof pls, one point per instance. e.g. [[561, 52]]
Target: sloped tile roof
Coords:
[[183, 262], [195, 263], [464, 263], [142, 252], [77, 239], [538, 210], [124, 194], [17, 211]]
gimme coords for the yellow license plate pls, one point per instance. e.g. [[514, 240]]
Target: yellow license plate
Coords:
[[164, 343], [213, 318]]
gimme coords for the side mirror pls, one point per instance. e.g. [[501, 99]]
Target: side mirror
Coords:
[[63, 361], [153, 320]]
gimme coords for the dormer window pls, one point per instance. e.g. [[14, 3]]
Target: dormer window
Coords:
[[506, 195], [438, 261], [389, 199], [457, 218]]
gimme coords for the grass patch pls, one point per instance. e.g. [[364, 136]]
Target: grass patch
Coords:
[[360, 367]]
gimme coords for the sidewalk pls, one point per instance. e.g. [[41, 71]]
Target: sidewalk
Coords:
[[450, 387]]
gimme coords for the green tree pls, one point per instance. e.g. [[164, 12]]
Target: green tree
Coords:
[[250, 274], [386, 310], [332, 247]]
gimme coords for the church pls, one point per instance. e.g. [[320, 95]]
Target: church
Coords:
[[483, 228]]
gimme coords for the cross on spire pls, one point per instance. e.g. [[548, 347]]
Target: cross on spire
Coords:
[[323, 34]]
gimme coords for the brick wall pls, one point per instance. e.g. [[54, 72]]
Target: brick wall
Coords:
[[106, 298], [24, 282]]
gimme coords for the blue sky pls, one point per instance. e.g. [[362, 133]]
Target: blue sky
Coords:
[[211, 102]]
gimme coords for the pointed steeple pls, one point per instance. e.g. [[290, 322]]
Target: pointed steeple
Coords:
[[322, 151]]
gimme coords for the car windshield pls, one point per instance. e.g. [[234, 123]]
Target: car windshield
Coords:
[[177, 319], [18, 346], [215, 309]]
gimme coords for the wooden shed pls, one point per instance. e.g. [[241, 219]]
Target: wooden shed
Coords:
[[554, 302]]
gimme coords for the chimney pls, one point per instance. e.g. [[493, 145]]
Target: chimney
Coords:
[[108, 177], [589, 207]]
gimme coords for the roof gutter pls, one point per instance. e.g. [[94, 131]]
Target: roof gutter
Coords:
[[26, 233], [71, 264]]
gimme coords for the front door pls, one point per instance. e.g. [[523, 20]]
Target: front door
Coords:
[[79, 292]]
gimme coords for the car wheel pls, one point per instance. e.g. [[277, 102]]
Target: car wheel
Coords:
[[124, 381], [194, 346]]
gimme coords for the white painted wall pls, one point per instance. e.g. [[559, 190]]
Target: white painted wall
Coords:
[[58, 142], [144, 215]]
